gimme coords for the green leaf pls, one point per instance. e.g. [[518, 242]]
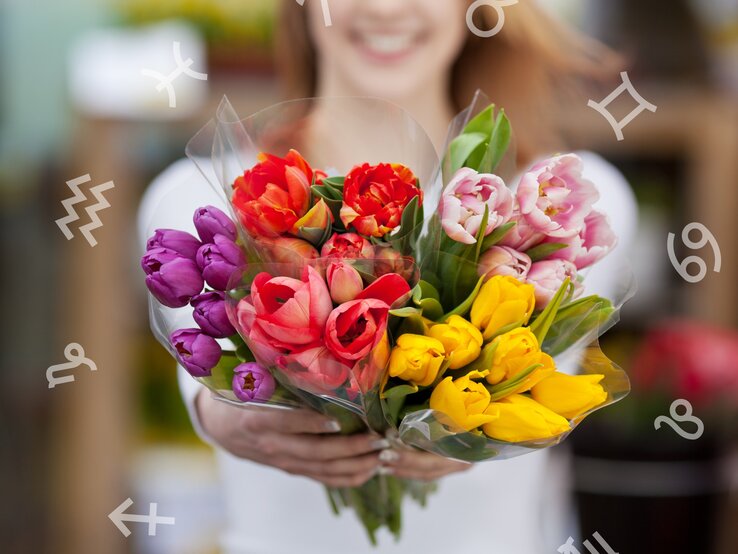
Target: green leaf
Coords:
[[543, 251], [432, 308], [466, 305], [483, 122], [221, 376], [408, 220], [462, 147], [334, 182], [405, 312], [401, 391], [505, 388], [244, 352], [428, 290], [413, 325], [497, 235], [543, 322], [480, 235], [484, 360], [333, 203], [498, 143]]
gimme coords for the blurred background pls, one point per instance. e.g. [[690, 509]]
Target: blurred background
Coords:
[[73, 102]]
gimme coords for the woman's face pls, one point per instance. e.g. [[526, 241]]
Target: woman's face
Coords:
[[388, 48]]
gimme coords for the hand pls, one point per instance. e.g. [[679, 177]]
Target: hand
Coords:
[[419, 465], [301, 442]]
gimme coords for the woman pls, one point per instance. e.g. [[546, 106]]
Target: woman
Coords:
[[420, 55]]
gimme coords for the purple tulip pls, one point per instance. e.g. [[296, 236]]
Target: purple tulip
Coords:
[[219, 260], [210, 314], [210, 221], [251, 382], [177, 241], [171, 278], [196, 351]]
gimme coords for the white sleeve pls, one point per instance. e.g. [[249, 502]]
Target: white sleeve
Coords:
[[169, 203], [608, 276]]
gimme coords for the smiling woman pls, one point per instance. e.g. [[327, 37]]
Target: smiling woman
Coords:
[[421, 55]]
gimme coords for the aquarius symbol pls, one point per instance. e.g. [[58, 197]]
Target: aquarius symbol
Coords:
[[497, 5], [618, 126], [681, 267], [569, 548], [165, 81], [75, 355], [685, 417], [326, 11], [78, 196]]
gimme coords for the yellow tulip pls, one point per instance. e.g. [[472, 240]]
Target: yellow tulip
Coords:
[[463, 400], [516, 351], [502, 301], [416, 359], [570, 395], [519, 418], [461, 340]]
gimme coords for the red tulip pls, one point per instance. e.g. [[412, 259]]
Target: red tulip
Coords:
[[375, 196], [355, 327], [390, 288], [274, 194]]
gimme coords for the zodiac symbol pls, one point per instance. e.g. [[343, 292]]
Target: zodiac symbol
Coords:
[[681, 267], [685, 417], [569, 548], [75, 355], [618, 126], [497, 5], [165, 81]]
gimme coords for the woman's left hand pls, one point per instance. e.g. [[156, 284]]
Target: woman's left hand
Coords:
[[416, 464]]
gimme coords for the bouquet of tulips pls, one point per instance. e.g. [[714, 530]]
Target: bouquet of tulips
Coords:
[[419, 299]]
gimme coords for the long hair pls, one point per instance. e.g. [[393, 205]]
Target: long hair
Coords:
[[526, 68]]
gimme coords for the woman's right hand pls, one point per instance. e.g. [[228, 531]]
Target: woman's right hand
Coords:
[[301, 442]]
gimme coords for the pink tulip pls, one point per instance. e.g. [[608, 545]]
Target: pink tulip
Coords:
[[592, 243], [344, 282], [522, 236], [554, 198], [548, 276], [285, 313], [503, 260], [314, 369], [464, 200]]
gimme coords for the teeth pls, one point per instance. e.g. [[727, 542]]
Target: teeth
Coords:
[[388, 44]]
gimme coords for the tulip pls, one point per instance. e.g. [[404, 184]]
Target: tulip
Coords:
[[503, 260], [347, 245], [463, 400], [171, 278], [416, 359], [274, 194], [210, 221], [595, 240], [390, 288], [355, 327], [197, 352], [516, 351], [291, 251], [547, 276], [314, 224], [518, 418], [522, 236], [253, 383], [315, 369], [554, 198], [389, 260], [344, 282], [210, 314], [283, 313], [219, 260], [177, 241], [503, 301], [374, 197], [461, 341], [465, 199], [570, 395]]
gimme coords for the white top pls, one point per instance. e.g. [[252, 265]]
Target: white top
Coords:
[[515, 506]]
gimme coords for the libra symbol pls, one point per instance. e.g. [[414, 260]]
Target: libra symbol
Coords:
[[627, 86]]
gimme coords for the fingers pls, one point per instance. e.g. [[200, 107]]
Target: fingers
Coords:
[[357, 466], [422, 466], [259, 420], [318, 448]]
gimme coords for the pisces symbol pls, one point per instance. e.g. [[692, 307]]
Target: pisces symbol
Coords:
[[75, 355], [685, 417]]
